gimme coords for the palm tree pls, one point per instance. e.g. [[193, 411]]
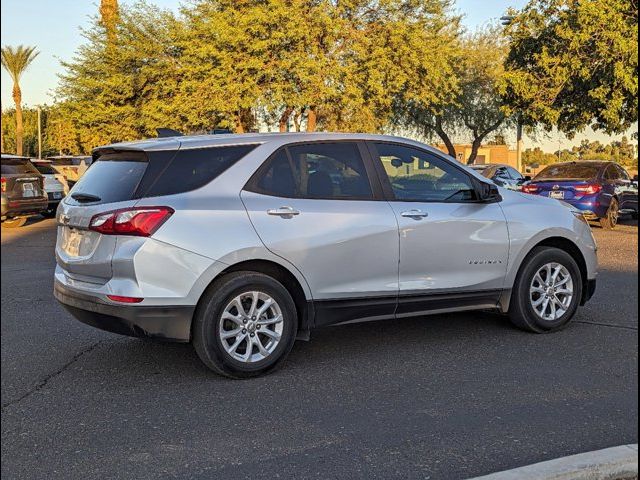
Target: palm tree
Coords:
[[109, 15], [15, 61]]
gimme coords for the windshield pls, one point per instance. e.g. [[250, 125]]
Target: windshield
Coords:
[[568, 171], [113, 178]]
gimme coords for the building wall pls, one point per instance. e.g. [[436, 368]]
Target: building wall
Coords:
[[486, 154]]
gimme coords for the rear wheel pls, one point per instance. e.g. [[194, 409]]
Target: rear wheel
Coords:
[[547, 291], [245, 325], [611, 219], [14, 222]]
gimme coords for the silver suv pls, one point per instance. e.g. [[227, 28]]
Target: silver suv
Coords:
[[243, 243]]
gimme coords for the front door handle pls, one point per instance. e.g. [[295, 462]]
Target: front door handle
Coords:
[[285, 212], [414, 214]]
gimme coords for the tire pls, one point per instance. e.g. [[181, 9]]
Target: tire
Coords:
[[611, 220], [14, 222], [208, 325], [50, 213], [522, 312]]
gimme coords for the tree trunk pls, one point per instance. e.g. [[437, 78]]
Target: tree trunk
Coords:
[[283, 124], [239, 128], [311, 119], [17, 98], [297, 116], [445, 138], [475, 146]]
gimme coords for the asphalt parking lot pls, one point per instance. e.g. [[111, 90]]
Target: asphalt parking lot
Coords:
[[442, 397]]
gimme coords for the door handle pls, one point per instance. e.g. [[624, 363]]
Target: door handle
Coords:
[[283, 212], [414, 214]]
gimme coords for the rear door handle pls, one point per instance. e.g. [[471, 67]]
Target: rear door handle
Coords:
[[414, 214], [283, 212]]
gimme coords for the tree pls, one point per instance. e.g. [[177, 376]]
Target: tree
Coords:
[[16, 61], [109, 16], [574, 64], [475, 111]]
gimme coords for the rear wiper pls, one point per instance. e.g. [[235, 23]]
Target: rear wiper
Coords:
[[85, 197]]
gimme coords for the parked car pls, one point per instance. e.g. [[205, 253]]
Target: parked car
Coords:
[[243, 243], [22, 191], [502, 175], [601, 190], [55, 184], [71, 166]]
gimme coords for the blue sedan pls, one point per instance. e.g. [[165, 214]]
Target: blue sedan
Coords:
[[602, 190]]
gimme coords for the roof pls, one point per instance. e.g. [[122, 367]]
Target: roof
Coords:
[[205, 141], [57, 157], [15, 157]]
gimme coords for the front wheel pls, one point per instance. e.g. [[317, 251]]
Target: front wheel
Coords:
[[245, 325], [610, 221], [547, 291]]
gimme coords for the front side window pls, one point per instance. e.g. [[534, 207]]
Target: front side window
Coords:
[[316, 170], [416, 175]]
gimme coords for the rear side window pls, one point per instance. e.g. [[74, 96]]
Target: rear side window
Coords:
[[192, 169], [17, 166], [113, 177], [316, 171]]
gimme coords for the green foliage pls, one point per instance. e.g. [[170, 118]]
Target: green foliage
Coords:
[[574, 64], [620, 151], [30, 139], [475, 110], [15, 60]]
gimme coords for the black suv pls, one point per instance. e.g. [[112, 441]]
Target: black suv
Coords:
[[22, 191]]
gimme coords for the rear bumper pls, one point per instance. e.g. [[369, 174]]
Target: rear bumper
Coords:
[[171, 323], [591, 208], [21, 208]]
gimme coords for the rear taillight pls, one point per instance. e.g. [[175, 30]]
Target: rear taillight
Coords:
[[122, 299], [590, 189], [530, 188], [136, 221], [3, 182]]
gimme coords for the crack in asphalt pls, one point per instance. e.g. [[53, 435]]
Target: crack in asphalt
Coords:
[[43, 383], [625, 327]]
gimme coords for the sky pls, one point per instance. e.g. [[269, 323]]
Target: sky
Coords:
[[54, 27]]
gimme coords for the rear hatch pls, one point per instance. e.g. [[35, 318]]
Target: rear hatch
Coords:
[[110, 184], [119, 179], [20, 180]]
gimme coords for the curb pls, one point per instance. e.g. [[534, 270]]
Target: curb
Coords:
[[616, 463]]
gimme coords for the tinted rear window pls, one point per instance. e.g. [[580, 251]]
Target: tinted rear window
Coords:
[[45, 168], [569, 171], [17, 166], [114, 177], [194, 168]]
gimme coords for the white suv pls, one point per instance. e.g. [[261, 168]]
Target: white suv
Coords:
[[243, 243]]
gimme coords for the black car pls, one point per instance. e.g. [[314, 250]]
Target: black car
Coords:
[[502, 175], [23, 192]]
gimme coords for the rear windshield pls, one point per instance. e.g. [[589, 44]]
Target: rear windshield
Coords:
[[17, 166], [569, 171], [113, 178], [118, 177], [45, 168]]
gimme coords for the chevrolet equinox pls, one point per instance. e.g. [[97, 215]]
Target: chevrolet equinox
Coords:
[[242, 243]]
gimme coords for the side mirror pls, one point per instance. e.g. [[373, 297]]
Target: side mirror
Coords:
[[527, 178], [635, 178], [488, 192]]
